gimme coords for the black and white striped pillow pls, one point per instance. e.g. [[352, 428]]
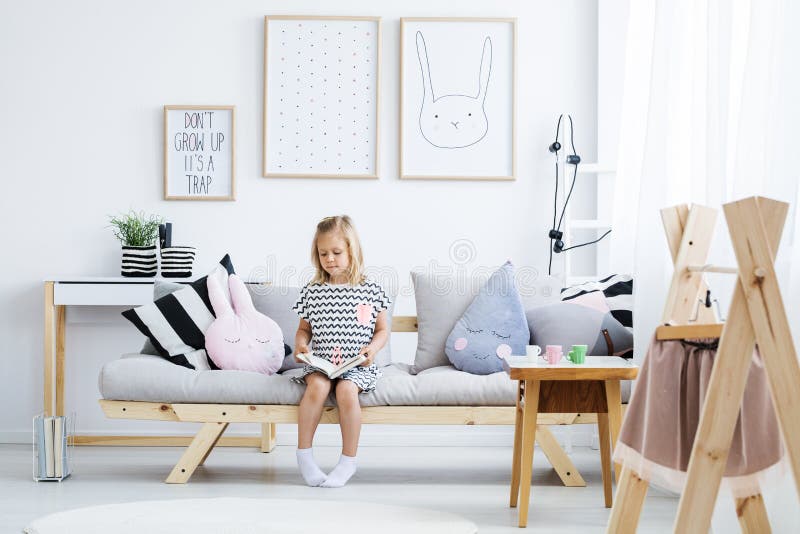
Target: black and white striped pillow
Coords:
[[176, 323], [618, 292]]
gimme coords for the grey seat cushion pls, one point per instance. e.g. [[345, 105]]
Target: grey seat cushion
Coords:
[[147, 378], [139, 377]]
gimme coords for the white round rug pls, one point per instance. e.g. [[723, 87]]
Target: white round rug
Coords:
[[246, 516]]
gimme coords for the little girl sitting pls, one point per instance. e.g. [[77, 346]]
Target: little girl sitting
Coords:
[[345, 315]]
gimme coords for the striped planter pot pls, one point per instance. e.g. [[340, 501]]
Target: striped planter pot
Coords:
[[139, 262], [176, 262]]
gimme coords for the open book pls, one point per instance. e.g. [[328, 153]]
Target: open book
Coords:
[[331, 369]]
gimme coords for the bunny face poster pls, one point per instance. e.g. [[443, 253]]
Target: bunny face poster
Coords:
[[457, 99]]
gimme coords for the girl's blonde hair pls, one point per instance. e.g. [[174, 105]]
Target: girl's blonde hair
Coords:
[[343, 225]]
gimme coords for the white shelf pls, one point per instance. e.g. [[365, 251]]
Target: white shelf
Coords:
[[597, 259], [116, 279], [589, 224], [595, 168]]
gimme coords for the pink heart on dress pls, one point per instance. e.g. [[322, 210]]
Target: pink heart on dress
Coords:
[[336, 355], [503, 351], [364, 313]]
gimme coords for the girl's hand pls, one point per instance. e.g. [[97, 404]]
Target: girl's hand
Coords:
[[300, 349], [369, 352]]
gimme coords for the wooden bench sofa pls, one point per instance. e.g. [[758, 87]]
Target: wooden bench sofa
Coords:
[[217, 417]]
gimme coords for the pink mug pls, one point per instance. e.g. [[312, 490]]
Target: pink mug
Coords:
[[553, 354]]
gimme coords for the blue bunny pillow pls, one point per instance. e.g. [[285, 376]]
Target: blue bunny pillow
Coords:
[[493, 327]]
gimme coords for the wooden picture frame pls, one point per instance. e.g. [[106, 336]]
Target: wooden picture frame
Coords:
[[457, 98], [321, 97], [199, 152]]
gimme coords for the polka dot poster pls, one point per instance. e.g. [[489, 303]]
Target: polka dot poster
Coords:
[[321, 97]]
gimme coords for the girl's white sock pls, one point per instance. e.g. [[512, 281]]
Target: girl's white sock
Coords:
[[311, 472], [345, 469]]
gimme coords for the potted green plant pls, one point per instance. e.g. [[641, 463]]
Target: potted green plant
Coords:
[[137, 232]]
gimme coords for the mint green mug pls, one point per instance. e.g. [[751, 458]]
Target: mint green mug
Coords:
[[578, 354]]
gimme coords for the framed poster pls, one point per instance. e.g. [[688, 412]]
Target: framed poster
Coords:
[[321, 90], [458, 98], [199, 153]]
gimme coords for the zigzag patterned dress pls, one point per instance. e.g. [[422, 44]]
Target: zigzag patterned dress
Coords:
[[342, 319]]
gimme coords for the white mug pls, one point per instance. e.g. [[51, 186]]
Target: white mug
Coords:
[[533, 351]]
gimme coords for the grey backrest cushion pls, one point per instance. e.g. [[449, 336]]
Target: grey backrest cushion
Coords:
[[439, 307], [442, 300], [276, 303]]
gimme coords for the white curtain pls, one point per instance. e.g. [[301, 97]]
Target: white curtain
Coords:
[[710, 107]]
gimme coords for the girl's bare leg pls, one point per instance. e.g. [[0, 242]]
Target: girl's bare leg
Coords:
[[349, 415], [317, 388], [350, 422]]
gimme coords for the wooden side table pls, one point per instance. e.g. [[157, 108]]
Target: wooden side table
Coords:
[[592, 387]]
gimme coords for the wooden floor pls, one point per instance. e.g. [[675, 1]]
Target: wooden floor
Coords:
[[470, 481]]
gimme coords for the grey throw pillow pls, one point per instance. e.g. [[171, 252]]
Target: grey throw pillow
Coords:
[[440, 304], [492, 329], [567, 324]]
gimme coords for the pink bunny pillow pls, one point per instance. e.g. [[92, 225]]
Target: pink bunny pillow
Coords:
[[242, 338]]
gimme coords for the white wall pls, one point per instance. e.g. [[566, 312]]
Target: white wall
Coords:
[[82, 90]]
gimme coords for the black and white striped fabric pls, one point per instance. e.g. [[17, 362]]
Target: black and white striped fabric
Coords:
[[618, 292], [176, 323], [342, 319], [176, 262], [139, 261]]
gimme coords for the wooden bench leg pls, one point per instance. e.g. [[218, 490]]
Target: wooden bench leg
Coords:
[[753, 515], [211, 448], [605, 455], [628, 502], [268, 434], [558, 458], [196, 453]]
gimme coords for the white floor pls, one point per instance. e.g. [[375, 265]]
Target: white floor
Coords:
[[470, 481]]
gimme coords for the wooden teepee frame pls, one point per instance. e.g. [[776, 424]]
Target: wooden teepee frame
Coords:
[[756, 315]]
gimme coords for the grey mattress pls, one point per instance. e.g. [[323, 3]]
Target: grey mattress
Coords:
[[141, 377]]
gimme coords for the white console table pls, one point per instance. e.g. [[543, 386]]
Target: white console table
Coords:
[[60, 292]]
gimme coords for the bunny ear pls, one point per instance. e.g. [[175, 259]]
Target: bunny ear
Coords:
[[486, 69], [217, 297], [425, 68], [240, 297]]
